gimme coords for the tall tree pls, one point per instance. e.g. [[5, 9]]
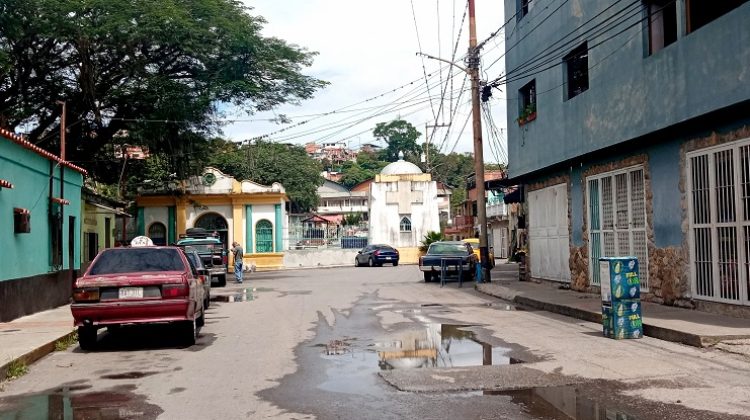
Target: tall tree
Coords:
[[267, 162], [158, 68], [400, 136]]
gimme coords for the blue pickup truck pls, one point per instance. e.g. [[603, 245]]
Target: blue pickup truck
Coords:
[[430, 263]]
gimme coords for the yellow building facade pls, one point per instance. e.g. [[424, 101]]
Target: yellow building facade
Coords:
[[251, 214]]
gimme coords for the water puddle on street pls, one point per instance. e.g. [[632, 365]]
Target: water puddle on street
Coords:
[[65, 404], [561, 402], [434, 346]]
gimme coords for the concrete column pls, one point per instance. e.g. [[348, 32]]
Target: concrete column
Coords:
[[248, 229], [171, 225], [278, 229], [181, 210], [237, 231], [141, 222]]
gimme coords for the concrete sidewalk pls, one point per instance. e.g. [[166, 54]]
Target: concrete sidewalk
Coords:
[[29, 338], [691, 327]]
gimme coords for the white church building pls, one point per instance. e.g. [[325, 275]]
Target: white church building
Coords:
[[403, 206]]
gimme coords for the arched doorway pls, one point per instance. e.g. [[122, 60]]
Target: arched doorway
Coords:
[[214, 222], [157, 231]]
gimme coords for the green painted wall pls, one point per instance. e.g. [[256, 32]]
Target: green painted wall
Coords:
[[29, 173], [141, 222], [248, 229], [172, 225], [279, 229]]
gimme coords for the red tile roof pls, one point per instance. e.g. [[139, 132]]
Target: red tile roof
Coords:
[[38, 150]]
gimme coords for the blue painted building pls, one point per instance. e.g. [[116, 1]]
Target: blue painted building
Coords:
[[629, 126], [40, 227]]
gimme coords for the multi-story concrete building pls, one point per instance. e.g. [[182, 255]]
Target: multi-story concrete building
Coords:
[[629, 126]]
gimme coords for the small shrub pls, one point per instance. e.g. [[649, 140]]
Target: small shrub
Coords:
[[69, 340], [16, 369], [430, 238]]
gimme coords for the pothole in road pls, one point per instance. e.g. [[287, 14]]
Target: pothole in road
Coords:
[[64, 403], [434, 346], [561, 402]]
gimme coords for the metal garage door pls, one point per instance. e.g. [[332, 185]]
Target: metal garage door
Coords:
[[548, 233]]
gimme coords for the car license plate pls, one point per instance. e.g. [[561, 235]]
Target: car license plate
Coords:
[[387, 258], [131, 292]]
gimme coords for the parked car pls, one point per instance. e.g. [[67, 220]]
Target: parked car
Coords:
[[138, 285], [197, 263], [474, 242], [212, 251], [430, 263], [376, 256]]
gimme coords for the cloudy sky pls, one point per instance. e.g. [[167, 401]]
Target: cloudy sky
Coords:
[[366, 50]]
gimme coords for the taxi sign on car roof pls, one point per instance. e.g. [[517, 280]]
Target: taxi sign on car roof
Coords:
[[140, 241]]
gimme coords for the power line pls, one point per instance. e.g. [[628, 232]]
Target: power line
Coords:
[[419, 44]]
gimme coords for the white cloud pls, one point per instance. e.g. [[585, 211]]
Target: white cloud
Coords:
[[367, 48]]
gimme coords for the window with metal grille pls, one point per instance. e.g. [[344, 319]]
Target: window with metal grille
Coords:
[[719, 215], [263, 236], [405, 225], [617, 219]]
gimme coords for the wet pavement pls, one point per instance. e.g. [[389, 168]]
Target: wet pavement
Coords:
[[340, 344], [78, 402], [339, 374]]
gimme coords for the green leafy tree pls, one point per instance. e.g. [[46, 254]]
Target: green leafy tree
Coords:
[[161, 69], [429, 238], [352, 219], [400, 136], [268, 162]]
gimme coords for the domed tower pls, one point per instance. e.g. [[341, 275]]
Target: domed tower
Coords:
[[403, 206]]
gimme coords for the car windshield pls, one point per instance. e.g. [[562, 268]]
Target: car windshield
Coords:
[[447, 249], [134, 260], [384, 248]]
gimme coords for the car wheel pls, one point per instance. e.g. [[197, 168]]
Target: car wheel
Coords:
[[356, 262], [207, 301], [395, 263], [371, 262], [188, 332], [87, 338], [427, 276], [222, 280]]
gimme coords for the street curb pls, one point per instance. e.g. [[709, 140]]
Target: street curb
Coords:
[[33, 355], [650, 330]]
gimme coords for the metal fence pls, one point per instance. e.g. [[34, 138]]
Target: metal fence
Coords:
[[307, 236]]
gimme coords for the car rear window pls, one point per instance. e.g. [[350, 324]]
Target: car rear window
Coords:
[[133, 260], [448, 249], [204, 247]]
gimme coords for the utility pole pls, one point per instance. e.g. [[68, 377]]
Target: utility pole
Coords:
[[473, 68]]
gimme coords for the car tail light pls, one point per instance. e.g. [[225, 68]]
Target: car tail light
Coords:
[[174, 291], [224, 259], [376, 253], [90, 294]]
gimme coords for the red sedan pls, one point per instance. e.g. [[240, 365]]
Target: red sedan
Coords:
[[138, 285]]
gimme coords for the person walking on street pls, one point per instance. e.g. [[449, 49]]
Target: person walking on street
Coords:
[[238, 254]]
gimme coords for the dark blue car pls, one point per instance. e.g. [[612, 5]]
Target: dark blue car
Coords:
[[376, 256]]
